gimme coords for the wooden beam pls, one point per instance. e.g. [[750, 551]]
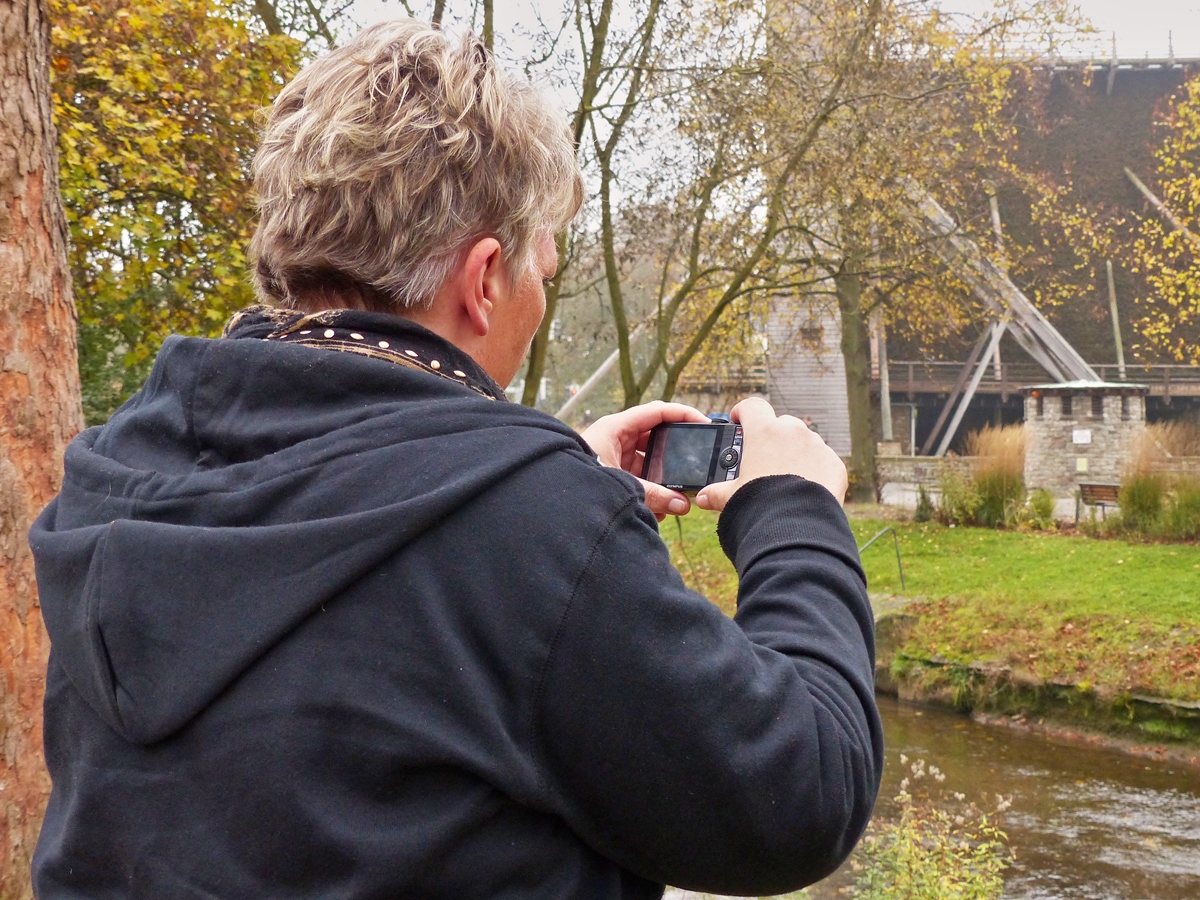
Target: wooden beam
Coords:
[[1112, 305], [997, 290], [1175, 221], [596, 377], [997, 332], [963, 375], [885, 384]]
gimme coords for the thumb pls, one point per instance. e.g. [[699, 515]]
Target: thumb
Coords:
[[716, 495], [663, 501]]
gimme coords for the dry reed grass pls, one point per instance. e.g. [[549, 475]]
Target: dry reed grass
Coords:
[[997, 451], [1161, 442], [997, 488]]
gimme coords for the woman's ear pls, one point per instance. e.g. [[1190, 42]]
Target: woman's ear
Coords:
[[484, 279]]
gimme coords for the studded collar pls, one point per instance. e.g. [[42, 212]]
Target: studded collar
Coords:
[[377, 335]]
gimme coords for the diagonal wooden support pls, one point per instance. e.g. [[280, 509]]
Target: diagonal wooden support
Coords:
[[1176, 222], [959, 384], [596, 377], [1030, 345], [997, 332], [1031, 329]]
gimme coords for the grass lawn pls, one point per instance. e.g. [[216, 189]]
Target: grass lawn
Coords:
[[1102, 614]]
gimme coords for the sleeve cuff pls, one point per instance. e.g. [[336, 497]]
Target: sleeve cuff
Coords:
[[780, 511]]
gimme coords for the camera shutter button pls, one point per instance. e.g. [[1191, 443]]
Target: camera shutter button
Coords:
[[729, 458]]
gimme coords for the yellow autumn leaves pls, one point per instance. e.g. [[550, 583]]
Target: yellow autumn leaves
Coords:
[[156, 103]]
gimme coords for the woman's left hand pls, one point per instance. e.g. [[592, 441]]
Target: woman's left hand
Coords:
[[619, 441]]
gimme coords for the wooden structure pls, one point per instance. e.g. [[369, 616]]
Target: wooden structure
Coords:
[[806, 374], [913, 377], [1013, 313]]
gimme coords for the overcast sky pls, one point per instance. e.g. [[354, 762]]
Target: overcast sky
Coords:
[[1141, 26]]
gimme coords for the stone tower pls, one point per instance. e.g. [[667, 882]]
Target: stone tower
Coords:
[[1080, 431]]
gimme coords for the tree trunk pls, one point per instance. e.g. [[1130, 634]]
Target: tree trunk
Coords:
[[541, 340], [489, 28], [857, 355], [40, 411], [592, 74], [270, 18]]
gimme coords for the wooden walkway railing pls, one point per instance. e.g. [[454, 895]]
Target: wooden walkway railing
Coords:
[[922, 377], [751, 380]]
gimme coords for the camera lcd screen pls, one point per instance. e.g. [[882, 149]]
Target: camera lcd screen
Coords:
[[688, 454]]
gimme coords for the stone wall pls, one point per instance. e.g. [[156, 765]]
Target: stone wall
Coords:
[[900, 477], [1062, 450], [922, 470]]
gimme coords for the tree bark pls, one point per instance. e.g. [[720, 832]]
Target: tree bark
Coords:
[[857, 355], [40, 411]]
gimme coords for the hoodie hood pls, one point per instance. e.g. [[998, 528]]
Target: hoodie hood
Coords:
[[248, 484]]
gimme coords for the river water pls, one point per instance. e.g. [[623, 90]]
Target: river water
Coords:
[[1085, 823]]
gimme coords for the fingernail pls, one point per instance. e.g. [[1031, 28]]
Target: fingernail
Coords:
[[677, 507], [702, 501]]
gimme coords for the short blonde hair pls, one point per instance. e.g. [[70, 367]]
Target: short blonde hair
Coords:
[[382, 162]]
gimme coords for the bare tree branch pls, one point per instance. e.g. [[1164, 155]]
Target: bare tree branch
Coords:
[[270, 18]]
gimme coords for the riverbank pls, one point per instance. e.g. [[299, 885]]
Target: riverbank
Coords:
[[1100, 637], [1066, 712]]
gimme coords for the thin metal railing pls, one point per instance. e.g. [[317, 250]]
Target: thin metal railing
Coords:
[[896, 541]]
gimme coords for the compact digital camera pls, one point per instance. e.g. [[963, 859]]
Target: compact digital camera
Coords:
[[686, 456]]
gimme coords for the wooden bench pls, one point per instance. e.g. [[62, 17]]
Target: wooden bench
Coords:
[[1101, 495]]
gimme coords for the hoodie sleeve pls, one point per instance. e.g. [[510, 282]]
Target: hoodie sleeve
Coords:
[[735, 756]]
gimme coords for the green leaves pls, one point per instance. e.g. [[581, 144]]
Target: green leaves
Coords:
[[155, 103], [935, 851]]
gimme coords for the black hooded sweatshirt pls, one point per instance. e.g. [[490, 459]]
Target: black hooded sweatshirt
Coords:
[[348, 625]]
